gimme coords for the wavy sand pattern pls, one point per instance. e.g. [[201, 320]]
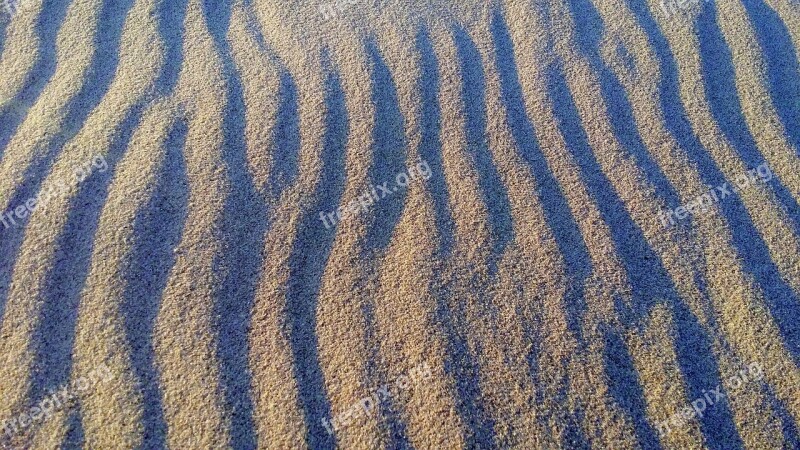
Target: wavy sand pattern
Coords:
[[400, 224]]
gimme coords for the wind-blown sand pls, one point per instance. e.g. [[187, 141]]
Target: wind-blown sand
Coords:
[[400, 224]]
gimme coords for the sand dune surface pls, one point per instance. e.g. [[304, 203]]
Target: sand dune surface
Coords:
[[363, 224]]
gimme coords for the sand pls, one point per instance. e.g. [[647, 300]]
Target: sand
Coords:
[[400, 224]]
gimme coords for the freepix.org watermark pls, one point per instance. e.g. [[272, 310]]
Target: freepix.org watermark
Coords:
[[12, 7], [702, 203], [55, 401], [331, 10], [698, 407], [376, 193], [16, 214], [670, 7], [366, 406]]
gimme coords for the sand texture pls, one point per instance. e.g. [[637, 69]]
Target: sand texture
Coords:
[[364, 224]]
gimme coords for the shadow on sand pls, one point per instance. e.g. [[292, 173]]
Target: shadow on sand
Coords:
[[47, 25], [53, 342], [101, 72], [726, 106], [783, 70], [650, 282], [286, 150], [157, 231], [64, 282], [748, 242], [494, 193], [568, 237], [243, 229], [307, 263], [431, 141], [389, 154], [460, 364]]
